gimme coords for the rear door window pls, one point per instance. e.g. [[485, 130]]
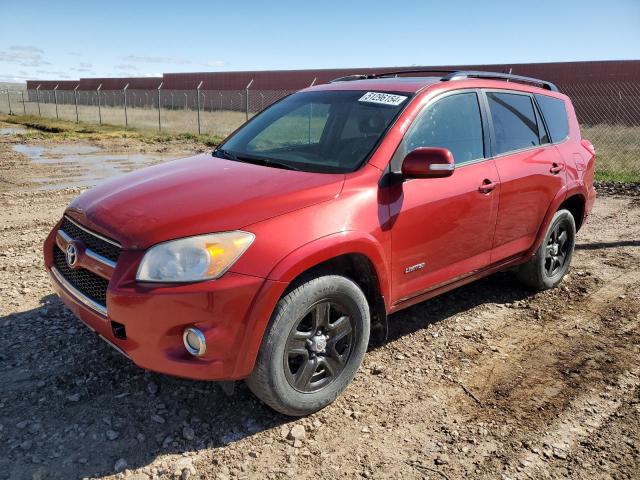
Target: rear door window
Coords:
[[514, 121], [555, 114]]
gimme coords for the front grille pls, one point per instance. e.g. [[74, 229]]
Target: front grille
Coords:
[[88, 283], [97, 244]]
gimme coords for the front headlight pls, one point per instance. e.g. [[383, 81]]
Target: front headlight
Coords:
[[193, 259]]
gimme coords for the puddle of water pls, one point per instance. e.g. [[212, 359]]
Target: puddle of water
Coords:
[[81, 165], [12, 130]]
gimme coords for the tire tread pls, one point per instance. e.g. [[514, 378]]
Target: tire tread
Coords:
[[261, 382]]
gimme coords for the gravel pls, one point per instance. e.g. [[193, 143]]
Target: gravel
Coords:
[[488, 381]]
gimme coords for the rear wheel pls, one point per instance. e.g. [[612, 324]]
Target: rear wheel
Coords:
[[313, 347], [551, 261]]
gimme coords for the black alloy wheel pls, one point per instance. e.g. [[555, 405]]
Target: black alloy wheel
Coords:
[[313, 346], [557, 250], [551, 261], [319, 346]]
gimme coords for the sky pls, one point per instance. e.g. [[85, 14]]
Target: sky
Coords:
[[71, 39]]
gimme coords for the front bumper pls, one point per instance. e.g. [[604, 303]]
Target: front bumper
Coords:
[[232, 311]]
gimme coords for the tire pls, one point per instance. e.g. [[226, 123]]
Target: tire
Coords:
[[551, 262], [332, 305]]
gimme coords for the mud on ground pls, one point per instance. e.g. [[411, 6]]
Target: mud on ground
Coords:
[[489, 381]]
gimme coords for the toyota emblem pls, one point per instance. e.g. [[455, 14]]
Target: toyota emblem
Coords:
[[71, 254]]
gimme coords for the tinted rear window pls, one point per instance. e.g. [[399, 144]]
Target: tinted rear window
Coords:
[[514, 121], [555, 114]]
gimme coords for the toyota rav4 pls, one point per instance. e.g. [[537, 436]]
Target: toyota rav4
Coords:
[[273, 257]]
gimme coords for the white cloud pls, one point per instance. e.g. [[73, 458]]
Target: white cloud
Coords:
[[127, 67], [53, 74], [152, 59], [134, 59], [14, 78], [24, 55], [26, 49]]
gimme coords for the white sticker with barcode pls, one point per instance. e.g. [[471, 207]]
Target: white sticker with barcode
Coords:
[[382, 98]]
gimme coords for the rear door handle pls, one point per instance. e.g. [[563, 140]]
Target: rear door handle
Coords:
[[487, 186], [556, 168]]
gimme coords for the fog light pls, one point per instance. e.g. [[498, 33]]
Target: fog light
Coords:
[[194, 341]]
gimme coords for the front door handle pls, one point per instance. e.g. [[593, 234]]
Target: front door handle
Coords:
[[487, 186], [556, 168]]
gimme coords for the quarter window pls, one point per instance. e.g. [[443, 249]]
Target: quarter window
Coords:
[[555, 113], [453, 122], [514, 121]]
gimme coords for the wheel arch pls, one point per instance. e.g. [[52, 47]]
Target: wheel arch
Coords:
[[359, 256], [576, 204], [355, 255], [573, 200], [360, 269]]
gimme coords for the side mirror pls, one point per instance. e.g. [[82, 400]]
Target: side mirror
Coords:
[[428, 162]]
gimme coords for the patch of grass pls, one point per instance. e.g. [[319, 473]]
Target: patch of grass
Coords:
[[617, 151], [617, 146], [67, 130], [620, 177]]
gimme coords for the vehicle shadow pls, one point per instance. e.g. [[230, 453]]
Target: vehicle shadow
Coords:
[[500, 288], [74, 406], [600, 245]]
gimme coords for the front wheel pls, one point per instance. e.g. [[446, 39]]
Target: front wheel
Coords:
[[313, 347], [548, 266]]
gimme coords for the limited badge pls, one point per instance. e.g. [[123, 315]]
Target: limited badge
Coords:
[[382, 98]]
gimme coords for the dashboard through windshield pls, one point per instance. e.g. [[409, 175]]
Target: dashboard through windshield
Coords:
[[324, 131]]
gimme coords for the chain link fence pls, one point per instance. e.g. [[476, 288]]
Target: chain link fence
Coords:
[[215, 112], [609, 117], [609, 114]]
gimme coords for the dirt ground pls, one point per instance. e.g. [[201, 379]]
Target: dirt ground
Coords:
[[489, 381]]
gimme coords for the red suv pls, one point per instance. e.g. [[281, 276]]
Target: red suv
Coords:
[[272, 258]]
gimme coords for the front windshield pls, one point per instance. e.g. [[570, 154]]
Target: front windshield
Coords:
[[325, 131]]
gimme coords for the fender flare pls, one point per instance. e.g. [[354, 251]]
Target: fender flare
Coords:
[[331, 246], [295, 263], [562, 196]]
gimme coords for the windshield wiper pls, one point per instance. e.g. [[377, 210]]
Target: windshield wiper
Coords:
[[267, 162], [224, 154], [254, 160]]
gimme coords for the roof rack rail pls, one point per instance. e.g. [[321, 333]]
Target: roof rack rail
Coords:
[[420, 70], [455, 74], [387, 74], [500, 76], [349, 78]]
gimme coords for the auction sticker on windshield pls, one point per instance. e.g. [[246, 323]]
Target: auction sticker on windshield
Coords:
[[382, 98]]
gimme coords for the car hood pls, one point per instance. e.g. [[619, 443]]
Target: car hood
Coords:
[[196, 195]]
